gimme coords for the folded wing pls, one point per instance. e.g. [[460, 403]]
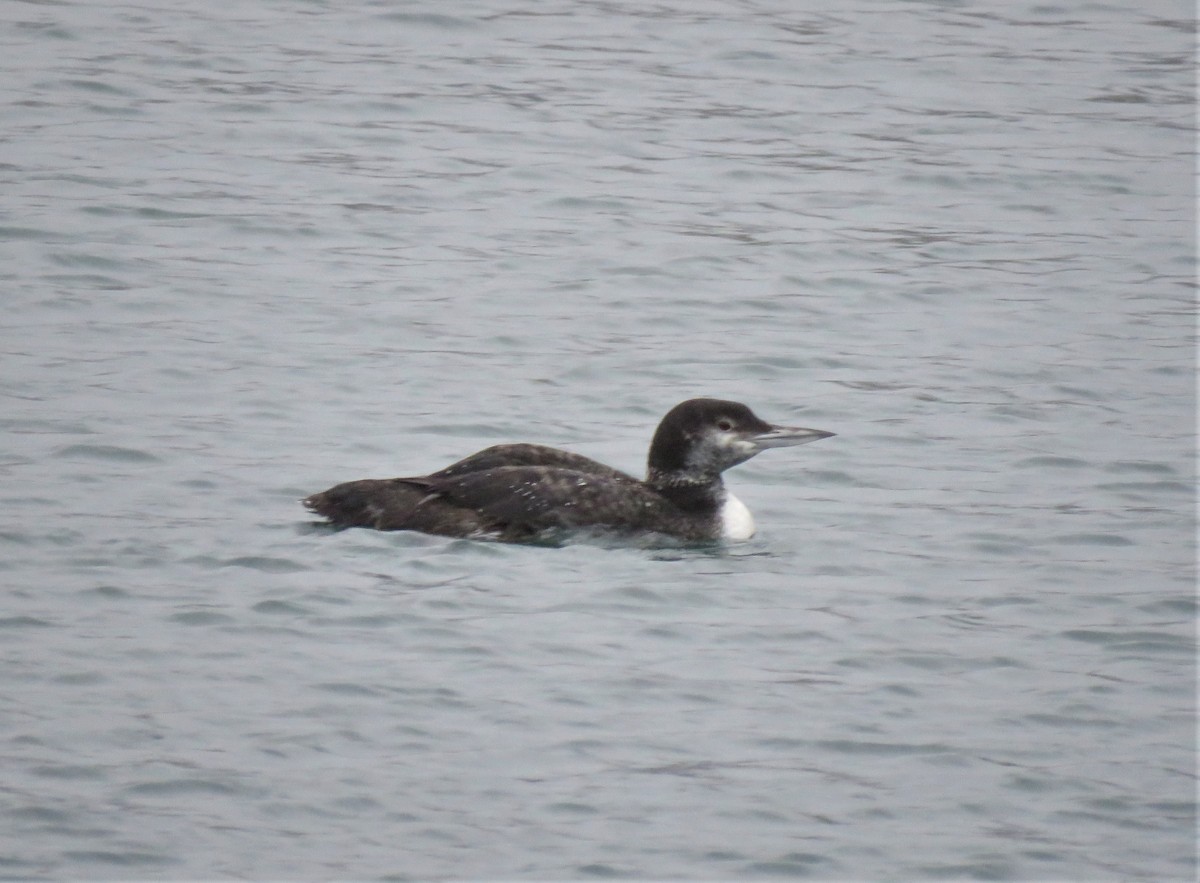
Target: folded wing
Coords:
[[525, 500]]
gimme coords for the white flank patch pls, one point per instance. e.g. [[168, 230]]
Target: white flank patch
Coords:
[[736, 521]]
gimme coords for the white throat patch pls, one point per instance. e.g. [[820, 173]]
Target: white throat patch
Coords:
[[736, 521]]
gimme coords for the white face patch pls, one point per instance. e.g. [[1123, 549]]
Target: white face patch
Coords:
[[736, 521], [742, 447], [717, 451]]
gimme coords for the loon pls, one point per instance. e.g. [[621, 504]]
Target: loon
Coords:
[[524, 492]]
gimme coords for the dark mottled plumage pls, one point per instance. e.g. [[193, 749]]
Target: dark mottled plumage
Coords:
[[522, 491]]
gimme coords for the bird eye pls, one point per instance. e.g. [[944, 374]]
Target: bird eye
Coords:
[[724, 425]]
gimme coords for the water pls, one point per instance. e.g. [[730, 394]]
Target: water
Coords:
[[250, 250]]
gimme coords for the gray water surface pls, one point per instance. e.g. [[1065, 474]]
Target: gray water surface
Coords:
[[251, 250]]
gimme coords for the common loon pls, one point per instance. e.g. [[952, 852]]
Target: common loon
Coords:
[[521, 492]]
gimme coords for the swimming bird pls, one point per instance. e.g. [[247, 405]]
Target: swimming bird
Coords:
[[524, 492]]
